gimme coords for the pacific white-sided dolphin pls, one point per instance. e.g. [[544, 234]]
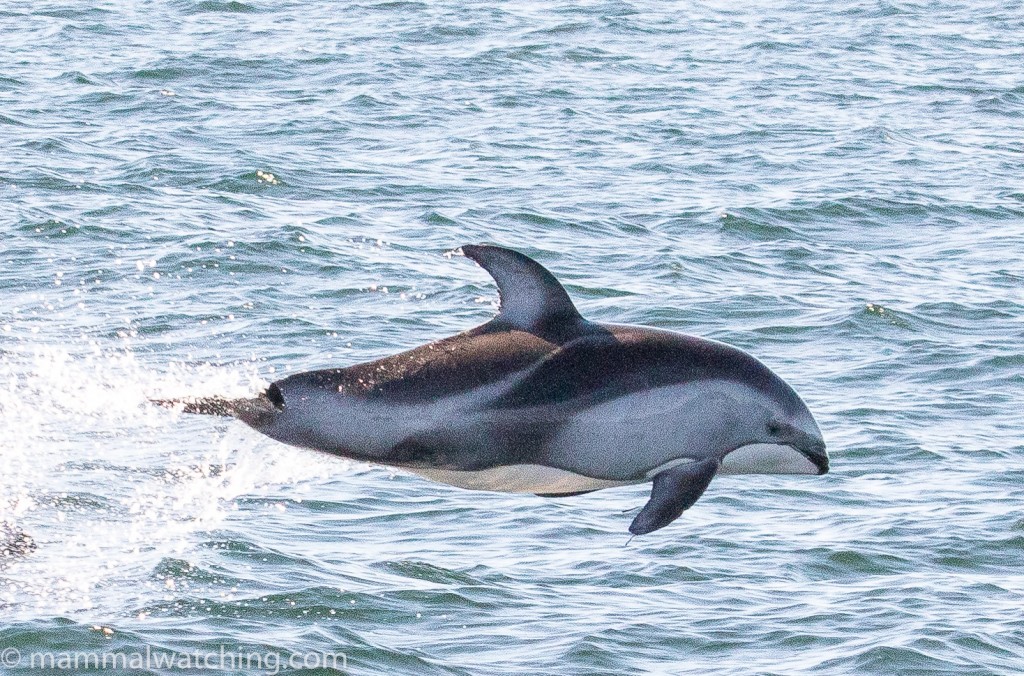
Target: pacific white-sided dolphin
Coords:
[[540, 400]]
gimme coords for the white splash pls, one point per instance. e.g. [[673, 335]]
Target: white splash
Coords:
[[108, 485]]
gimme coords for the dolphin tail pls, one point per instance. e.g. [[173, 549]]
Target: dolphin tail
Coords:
[[256, 412], [203, 405]]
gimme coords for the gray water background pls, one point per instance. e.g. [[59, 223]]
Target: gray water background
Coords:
[[198, 197]]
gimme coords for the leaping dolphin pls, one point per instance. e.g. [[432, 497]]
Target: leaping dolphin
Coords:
[[540, 400]]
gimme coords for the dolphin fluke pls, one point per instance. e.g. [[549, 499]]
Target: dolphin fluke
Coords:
[[254, 412], [202, 406]]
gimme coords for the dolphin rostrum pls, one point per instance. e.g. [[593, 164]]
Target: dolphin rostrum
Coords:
[[540, 400]]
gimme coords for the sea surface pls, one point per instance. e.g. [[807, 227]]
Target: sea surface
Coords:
[[197, 198]]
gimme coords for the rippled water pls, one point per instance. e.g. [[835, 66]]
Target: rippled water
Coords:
[[197, 197]]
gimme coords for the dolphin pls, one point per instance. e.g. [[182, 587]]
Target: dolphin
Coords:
[[540, 400]]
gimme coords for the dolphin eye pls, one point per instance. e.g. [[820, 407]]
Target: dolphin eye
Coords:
[[774, 428]]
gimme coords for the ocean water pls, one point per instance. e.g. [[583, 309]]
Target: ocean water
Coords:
[[199, 197]]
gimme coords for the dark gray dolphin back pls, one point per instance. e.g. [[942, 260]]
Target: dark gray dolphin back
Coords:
[[616, 360], [536, 317]]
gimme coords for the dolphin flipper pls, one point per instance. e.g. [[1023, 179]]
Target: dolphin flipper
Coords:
[[675, 490]]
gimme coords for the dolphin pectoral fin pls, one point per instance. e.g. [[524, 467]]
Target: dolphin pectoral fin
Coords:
[[531, 298], [675, 490]]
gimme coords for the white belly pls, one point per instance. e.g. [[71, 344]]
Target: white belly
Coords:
[[752, 459], [519, 479], [767, 459]]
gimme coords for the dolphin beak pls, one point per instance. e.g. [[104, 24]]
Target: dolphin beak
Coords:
[[812, 446], [808, 443]]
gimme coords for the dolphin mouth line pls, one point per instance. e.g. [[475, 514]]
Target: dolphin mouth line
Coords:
[[808, 444], [814, 452]]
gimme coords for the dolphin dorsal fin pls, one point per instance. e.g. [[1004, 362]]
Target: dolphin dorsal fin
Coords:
[[531, 298]]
